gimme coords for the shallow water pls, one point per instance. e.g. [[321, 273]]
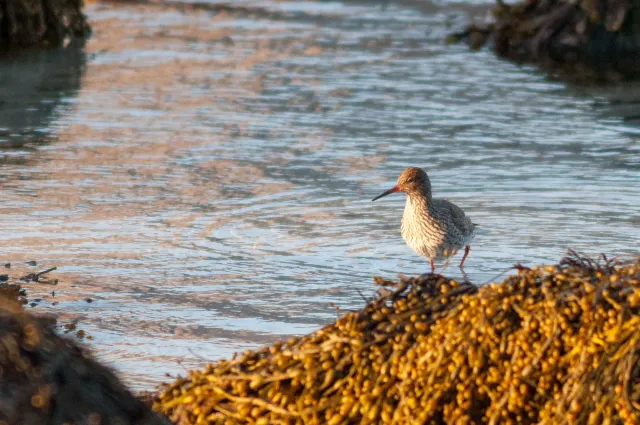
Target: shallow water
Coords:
[[205, 176]]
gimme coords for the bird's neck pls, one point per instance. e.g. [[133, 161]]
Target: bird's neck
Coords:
[[420, 202]]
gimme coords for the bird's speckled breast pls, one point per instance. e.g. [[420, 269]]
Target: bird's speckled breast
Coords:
[[423, 233]]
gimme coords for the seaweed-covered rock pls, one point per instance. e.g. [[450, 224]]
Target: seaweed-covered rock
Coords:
[[46, 379], [594, 38], [553, 344], [41, 23], [10, 291]]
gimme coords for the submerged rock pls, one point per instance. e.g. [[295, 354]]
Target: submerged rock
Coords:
[[554, 344], [47, 379]]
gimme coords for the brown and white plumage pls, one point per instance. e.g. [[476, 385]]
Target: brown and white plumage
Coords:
[[433, 228]]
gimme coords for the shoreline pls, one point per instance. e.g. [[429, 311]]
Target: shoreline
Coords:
[[548, 317]]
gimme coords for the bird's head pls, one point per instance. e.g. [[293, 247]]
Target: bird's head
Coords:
[[413, 181]]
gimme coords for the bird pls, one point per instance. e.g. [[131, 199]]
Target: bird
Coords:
[[433, 228]]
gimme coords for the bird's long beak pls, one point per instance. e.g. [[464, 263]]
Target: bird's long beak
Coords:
[[388, 192]]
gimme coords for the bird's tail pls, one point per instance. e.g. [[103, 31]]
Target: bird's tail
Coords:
[[480, 231]]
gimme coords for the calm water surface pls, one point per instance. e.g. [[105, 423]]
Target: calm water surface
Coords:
[[206, 177]]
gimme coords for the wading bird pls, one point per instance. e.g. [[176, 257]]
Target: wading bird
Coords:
[[433, 228]]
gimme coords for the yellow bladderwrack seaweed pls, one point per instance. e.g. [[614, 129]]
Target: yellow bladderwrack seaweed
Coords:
[[556, 344]]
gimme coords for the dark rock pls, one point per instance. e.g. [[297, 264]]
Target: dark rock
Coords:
[[42, 23], [587, 40], [47, 379]]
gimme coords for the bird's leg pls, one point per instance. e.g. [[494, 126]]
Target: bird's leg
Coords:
[[433, 266], [466, 252]]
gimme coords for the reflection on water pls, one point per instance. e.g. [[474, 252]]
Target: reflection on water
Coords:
[[210, 183], [34, 88]]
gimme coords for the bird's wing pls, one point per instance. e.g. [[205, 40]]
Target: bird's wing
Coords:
[[460, 220]]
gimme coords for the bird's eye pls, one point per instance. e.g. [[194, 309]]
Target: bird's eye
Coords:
[[410, 180]]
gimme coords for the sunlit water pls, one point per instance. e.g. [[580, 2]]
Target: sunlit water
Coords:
[[206, 176]]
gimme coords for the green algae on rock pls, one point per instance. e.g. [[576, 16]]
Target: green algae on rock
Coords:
[[552, 344]]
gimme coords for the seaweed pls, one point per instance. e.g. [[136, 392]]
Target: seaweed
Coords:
[[41, 23], [586, 40], [47, 379], [550, 344]]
